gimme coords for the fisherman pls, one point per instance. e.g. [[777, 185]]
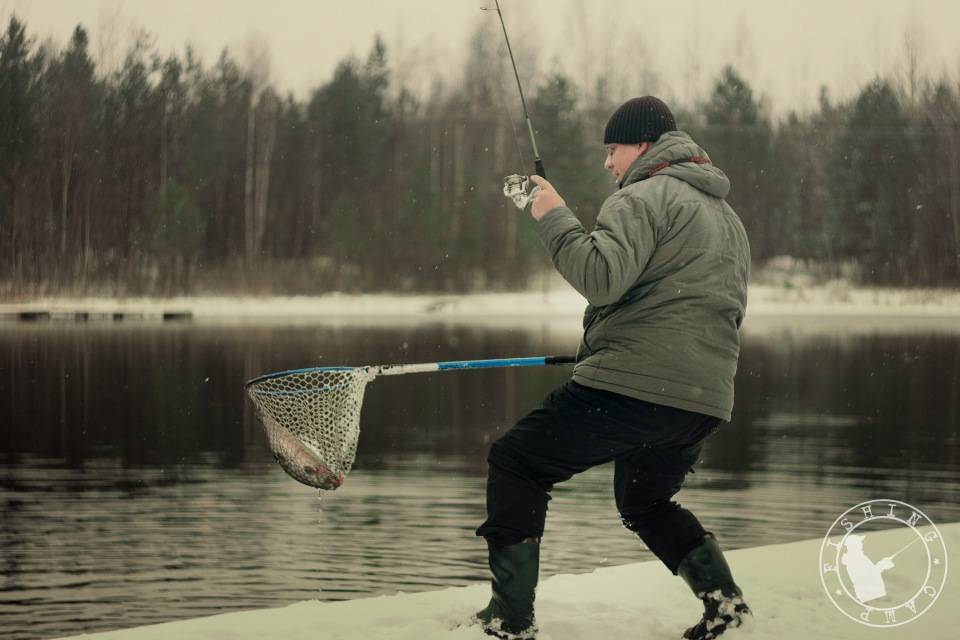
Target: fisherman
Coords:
[[665, 274]]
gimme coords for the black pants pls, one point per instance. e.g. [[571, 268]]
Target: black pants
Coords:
[[577, 427]]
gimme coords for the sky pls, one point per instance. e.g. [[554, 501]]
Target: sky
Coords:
[[786, 50]]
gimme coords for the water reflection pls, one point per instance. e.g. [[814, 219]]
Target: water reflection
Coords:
[[135, 485]]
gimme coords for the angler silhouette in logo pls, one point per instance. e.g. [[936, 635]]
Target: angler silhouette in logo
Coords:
[[863, 572]]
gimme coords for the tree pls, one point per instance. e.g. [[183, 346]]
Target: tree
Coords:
[[225, 235], [287, 238], [173, 234], [878, 185], [914, 47], [937, 131], [19, 75], [261, 133], [132, 163], [74, 97], [574, 154], [351, 127], [739, 139], [804, 156]]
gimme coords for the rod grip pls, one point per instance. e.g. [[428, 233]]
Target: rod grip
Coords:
[[560, 359], [540, 171]]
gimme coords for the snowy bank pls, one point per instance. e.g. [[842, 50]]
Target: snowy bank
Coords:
[[640, 601], [557, 303]]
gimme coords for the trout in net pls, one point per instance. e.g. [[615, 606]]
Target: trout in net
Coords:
[[312, 420], [297, 459]]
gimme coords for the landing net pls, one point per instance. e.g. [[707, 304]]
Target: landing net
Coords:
[[312, 420]]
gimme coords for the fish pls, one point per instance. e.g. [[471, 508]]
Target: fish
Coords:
[[296, 458]]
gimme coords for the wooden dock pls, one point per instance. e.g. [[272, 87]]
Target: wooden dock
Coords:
[[80, 315]]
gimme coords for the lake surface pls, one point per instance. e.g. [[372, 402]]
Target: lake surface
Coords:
[[136, 487]]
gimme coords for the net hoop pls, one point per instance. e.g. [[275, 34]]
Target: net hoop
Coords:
[[311, 418]]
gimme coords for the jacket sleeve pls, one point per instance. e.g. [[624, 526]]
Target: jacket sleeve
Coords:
[[604, 264]]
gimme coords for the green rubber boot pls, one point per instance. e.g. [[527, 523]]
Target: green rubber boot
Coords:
[[515, 570], [707, 573]]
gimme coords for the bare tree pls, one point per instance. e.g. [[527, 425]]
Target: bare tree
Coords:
[[692, 61], [256, 64], [580, 33], [111, 25], [266, 131], [743, 54], [913, 53]]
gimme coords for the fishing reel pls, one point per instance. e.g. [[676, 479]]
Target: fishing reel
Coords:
[[515, 188]]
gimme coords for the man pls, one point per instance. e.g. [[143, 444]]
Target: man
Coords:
[[665, 275]]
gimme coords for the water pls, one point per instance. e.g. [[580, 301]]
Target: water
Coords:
[[135, 485]]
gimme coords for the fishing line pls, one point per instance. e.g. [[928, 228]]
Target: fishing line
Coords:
[[526, 114], [515, 186], [513, 122]]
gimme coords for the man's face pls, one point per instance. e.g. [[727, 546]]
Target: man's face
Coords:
[[621, 156]]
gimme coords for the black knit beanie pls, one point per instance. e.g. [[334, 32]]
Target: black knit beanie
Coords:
[[639, 120]]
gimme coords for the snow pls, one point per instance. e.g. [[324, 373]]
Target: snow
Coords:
[[780, 582], [555, 303]]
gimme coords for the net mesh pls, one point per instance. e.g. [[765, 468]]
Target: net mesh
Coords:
[[312, 421]]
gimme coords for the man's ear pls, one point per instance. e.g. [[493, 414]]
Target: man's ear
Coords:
[[644, 146]]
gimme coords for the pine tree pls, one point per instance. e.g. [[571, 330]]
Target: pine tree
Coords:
[[19, 78], [936, 130], [738, 138], [574, 154], [878, 186]]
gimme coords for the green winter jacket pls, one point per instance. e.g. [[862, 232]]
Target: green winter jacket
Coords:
[[665, 274]]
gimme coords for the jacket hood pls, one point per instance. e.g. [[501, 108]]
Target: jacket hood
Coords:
[[676, 154]]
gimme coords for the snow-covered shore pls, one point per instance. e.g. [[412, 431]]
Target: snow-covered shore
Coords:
[[765, 300], [637, 601]]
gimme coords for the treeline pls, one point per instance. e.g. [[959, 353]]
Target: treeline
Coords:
[[167, 176]]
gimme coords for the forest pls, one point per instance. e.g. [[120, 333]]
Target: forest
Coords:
[[170, 176]]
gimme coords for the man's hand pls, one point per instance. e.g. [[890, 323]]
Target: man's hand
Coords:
[[545, 199]]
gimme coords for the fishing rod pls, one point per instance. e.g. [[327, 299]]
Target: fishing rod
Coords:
[[902, 549], [515, 185]]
